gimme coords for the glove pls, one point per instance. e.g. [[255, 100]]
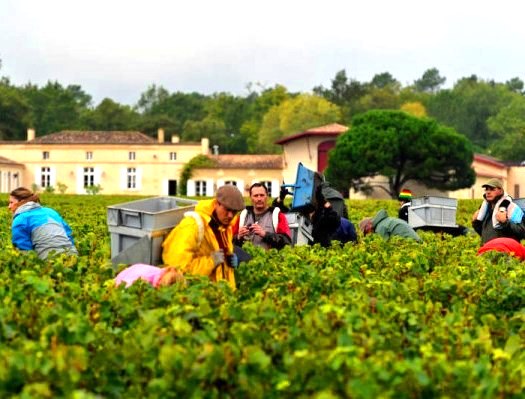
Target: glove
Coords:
[[218, 257], [283, 193], [233, 260]]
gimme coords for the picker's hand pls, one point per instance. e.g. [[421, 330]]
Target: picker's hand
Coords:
[[233, 260], [218, 257], [257, 230]]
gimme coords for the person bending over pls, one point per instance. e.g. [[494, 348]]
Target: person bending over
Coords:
[[38, 228]]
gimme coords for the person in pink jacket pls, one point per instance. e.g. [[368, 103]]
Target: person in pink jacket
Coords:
[[156, 276]]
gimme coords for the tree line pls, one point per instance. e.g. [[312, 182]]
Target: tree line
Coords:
[[490, 114]]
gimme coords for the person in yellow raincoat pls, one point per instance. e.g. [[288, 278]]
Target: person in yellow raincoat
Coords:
[[202, 242]]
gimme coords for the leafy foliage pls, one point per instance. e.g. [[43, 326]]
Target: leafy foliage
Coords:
[[197, 161], [391, 319], [293, 116], [400, 147]]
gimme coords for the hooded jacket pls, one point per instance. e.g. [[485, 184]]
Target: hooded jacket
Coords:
[[387, 226], [189, 246], [41, 229], [487, 226]]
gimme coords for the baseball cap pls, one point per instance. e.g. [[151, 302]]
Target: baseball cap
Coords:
[[496, 183]]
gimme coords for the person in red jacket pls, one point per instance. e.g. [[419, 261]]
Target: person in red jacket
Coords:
[[263, 225], [504, 244]]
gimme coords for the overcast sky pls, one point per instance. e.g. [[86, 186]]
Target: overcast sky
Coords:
[[117, 48]]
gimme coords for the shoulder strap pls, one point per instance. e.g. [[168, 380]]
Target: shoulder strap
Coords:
[[200, 224], [275, 218], [242, 217]]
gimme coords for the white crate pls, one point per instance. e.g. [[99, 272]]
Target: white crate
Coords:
[[138, 228], [432, 211], [300, 228]]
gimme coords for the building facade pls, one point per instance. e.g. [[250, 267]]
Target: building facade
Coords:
[[116, 162], [239, 170], [132, 163]]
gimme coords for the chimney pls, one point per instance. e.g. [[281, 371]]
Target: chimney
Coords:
[[205, 146], [30, 134], [175, 139], [215, 149], [160, 135]]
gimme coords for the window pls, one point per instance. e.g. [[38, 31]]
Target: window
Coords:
[[45, 155], [132, 155], [268, 185], [516, 191], [200, 188], [131, 178], [45, 176], [89, 155], [89, 177], [173, 156], [232, 182]]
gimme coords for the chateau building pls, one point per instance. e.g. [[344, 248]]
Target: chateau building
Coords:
[[134, 163]]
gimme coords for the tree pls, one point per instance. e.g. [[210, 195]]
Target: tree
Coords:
[[160, 109], [383, 80], [55, 108], [14, 112], [232, 111], [414, 108], [209, 127], [509, 126], [295, 115], [400, 147], [259, 105], [343, 92], [468, 106], [515, 84], [430, 82], [109, 115]]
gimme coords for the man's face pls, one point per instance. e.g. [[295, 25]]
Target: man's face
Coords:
[[491, 193], [224, 214], [259, 199]]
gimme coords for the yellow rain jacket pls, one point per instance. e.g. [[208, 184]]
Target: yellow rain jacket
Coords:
[[190, 244]]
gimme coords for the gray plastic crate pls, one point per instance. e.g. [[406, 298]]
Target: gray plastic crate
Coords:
[[138, 228], [430, 200], [300, 228], [432, 211]]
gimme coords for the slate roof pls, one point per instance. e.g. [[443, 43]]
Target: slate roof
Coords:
[[231, 161], [95, 137], [331, 130]]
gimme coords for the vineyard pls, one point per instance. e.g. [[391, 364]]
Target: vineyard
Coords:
[[376, 319]]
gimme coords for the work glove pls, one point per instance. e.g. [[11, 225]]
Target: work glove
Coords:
[[233, 260], [218, 257]]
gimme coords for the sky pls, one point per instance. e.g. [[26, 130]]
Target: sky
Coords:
[[118, 48]]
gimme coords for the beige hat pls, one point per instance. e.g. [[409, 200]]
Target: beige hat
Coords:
[[496, 183], [230, 197]]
